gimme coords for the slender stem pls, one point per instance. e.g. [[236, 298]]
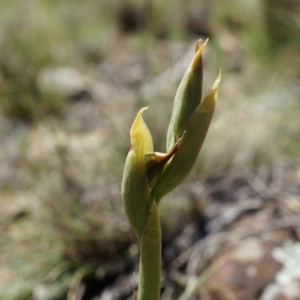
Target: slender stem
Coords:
[[150, 258]]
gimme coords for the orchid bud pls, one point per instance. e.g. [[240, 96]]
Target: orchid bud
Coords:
[[135, 186], [188, 96], [142, 168], [190, 121]]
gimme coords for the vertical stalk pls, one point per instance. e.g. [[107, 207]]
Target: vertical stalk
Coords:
[[150, 258]]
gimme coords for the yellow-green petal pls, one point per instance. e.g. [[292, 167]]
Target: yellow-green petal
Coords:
[[140, 136], [188, 95], [135, 185], [194, 131]]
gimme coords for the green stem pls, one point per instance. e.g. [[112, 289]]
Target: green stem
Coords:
[[150, 252]]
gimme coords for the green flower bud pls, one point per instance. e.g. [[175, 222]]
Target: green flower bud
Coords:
[[188, 96], [135, 186], [190, 120], [142, 168]]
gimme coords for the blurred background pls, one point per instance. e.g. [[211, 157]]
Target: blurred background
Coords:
[[73, 75]]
